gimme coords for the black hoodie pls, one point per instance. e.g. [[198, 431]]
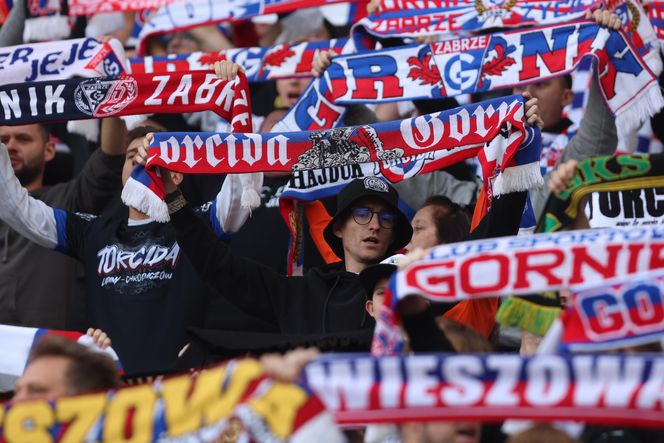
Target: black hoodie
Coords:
[[325, 300]]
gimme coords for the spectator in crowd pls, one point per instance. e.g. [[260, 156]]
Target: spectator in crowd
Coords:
[[138, 288], [58, 367], [366, 227], [38, 287]]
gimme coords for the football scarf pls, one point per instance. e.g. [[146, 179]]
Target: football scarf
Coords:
[[85, 57], [235, 402], [494, 133], [259, 64], [522, 265], [415, 18], [596, 176], [76, 99], [16, 343], [482, 63], [630, 207], [312, 185], [655, 11], [90, 7], [626, 312], [182, 15], [610, 389]]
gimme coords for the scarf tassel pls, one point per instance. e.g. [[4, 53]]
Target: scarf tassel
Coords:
[[134, 195], [53, 27], [518, 178], [527, 315], [645, 104]]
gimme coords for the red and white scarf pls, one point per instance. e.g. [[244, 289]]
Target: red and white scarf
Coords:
[[604, 389], [496, 134], [259, 64], [478, 64], [187, 14]]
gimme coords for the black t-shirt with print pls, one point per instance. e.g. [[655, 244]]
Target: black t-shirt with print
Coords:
[[140, 288]]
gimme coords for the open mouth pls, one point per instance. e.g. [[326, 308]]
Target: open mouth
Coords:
[[371, 240]]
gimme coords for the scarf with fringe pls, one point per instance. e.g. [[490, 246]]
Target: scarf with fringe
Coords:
[[537, 312], [479, 64], [495, 138], [260, 64]]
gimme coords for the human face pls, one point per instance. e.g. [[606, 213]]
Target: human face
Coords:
[[130, 162], [44, 378], [376, 301], [364, 244], [553, 95], [425, 233], [290, 90], [449, 432], [182, 43], [29, 150]]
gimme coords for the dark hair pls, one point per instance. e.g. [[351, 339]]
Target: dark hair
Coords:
[[87, 370], [452, 220], [568, 80], [139, 132], [45, 131]]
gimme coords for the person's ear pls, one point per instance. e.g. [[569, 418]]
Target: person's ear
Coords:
[[49, 151], [568, 97], [369, 306], [177, 178], [337, 228]]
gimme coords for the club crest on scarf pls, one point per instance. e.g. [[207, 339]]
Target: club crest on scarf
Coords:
[[101, 98], [342, 146]]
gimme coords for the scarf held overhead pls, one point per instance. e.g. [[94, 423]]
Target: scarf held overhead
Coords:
[[259, 64], [184, 15], [235, 402], [415, 18], [76, 99], [478, 64], [625, 312], [493, 131], [16, 343], [597, 174], [84, 57], [530, 264], [90, 7], [610, 389]]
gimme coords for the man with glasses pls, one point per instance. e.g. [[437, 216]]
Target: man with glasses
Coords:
[[367, 227]]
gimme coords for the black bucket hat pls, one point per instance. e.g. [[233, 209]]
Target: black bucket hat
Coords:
[[371, 274], [376, 188]]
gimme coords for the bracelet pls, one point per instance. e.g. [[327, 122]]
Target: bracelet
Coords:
[[175, 201]]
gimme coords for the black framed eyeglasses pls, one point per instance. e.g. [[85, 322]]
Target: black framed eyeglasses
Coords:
[[363, 216]]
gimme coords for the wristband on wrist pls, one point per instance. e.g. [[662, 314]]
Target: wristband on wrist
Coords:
[[175, 201]]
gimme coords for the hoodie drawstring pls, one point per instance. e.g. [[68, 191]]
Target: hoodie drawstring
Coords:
[[327, 301], [6, 246]]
